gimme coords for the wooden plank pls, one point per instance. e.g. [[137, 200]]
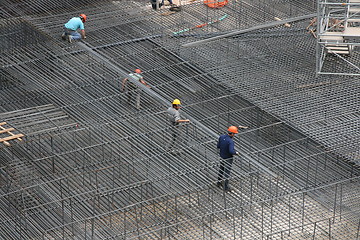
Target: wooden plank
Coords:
[[332, 36], [339, 52], [353, 20], [354, 10], [7, 130], [2, 123], [18, 136], [352, 32]]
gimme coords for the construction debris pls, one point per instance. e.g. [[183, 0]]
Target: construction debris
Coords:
[[279, 19]]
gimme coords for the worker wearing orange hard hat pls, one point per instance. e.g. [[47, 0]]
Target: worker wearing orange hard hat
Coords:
[[131, 90], [70, 28], [227, 151], [175, 120]]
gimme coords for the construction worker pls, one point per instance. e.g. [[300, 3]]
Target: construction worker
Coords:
[[175, 120], [227, 151], [157, 4], [131, 89], [70, 28]]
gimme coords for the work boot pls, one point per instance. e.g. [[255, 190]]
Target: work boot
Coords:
[[63, 36], [229, 189], [219, 184], [69, 38]]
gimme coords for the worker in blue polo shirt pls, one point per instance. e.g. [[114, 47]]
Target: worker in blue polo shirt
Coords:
[[227, 151], [70, 28]]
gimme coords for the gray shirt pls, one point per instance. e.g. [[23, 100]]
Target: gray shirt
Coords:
[[130, 85], [174, 116]]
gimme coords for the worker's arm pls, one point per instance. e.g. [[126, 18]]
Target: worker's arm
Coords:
[[218, 143], [143, 82], [183, 120], [232, 149], [82, 32], [123, 85]]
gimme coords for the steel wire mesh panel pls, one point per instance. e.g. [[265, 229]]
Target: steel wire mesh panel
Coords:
[[100, 167]]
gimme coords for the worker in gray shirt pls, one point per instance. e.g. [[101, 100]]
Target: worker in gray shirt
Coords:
[[131, 90], [175, 120]]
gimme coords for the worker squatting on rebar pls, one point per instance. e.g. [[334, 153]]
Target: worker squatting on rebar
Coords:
[[175, 120], [227, 151], [71, 28], [132, 91]]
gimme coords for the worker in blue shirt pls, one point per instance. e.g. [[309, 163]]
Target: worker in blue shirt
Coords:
[[70, 28], [227, 151]]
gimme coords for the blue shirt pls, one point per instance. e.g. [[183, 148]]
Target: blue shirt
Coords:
[[74, 24], [226, 145]]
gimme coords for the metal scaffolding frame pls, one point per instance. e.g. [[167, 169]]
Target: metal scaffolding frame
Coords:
[[338, 37], [93, 166]]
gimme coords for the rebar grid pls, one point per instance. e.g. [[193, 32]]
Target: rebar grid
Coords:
[[111, 176], [182, 217], [323, 107]]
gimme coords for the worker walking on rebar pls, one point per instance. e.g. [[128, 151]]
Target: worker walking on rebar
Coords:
[[70, 28], [175, 120], [227, 151], [132, 91]]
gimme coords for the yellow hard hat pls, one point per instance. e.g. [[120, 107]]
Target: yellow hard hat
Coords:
[[233, 129], [176, 101]]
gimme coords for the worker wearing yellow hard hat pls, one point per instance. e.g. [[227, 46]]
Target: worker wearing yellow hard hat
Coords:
[[176, 102], [175, 119], [174, 113]]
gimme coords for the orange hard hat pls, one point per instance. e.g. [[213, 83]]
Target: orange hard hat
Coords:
[[83, 17], [138, 70], [233, 129]]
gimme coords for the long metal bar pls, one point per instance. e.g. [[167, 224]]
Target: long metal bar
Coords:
[[261, 26], [165, 102]]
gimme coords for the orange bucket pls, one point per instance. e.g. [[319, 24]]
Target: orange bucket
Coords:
[[215, 3]]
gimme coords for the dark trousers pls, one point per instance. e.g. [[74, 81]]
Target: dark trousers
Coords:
[[224, 172], [133, 97], [161, 3], [155, 5], [174, 136]]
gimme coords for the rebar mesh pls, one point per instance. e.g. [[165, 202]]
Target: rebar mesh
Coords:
[[93, 166]]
